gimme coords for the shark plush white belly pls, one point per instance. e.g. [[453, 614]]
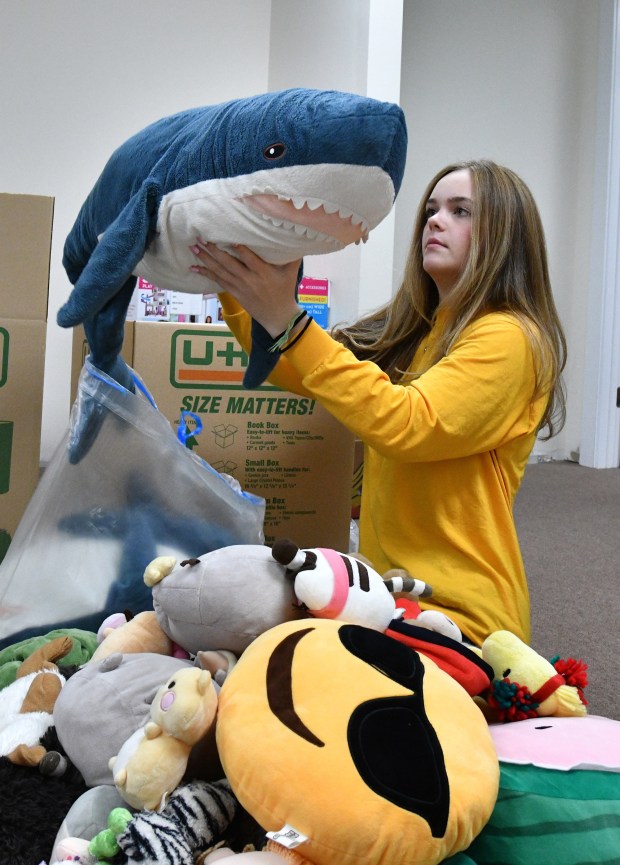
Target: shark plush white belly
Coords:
[[290, 173], [266, 212]]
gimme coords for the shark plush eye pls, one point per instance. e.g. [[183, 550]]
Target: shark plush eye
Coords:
[[274, 151]]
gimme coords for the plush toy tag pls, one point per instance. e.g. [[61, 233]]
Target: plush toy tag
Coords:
[[288, 837]]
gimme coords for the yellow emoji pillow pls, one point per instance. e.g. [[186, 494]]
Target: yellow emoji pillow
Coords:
[[353, 748]]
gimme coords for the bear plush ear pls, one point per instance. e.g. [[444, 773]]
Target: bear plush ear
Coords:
[[344, 720]]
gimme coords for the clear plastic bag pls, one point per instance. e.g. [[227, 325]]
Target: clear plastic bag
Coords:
[[91, 527]]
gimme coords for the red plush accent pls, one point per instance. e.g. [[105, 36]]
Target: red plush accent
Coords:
[[516, 702], [454, 658], [548, 688], [412, 608], [574, 673]]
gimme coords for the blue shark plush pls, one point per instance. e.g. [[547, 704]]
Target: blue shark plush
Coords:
[[289, 173]]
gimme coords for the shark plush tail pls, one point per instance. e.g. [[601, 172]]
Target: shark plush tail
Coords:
[[88, 413]]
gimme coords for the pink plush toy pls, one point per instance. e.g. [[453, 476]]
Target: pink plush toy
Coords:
[[332, 585]]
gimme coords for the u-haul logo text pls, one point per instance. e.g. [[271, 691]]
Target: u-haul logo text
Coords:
[[4, 356], [207, 359]]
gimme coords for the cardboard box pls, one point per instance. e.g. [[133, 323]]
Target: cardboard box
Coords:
[[278, 445], [25, 246]]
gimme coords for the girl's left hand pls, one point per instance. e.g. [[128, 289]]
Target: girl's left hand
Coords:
[[266, 291]]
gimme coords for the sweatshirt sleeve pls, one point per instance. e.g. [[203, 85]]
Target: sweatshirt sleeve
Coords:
[[477, 398]]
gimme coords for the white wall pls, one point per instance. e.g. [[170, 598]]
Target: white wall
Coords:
[[600, 444], [514, 82], [351, 45], [81, 76], [324, 44]]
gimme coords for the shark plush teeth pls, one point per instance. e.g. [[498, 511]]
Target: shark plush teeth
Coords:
[[290, 173]]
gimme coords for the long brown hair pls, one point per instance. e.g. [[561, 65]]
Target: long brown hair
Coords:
[[506, 271]]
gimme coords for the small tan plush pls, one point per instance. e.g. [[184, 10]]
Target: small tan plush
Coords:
[[152, 762], [271, 854]]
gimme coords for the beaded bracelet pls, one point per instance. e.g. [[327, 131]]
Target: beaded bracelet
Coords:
[[281, 340], [298, 335]]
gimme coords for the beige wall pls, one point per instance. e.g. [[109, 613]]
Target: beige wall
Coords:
[[514, 82], [81, 76]]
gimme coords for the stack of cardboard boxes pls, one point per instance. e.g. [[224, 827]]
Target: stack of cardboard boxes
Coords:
[[25, 245]]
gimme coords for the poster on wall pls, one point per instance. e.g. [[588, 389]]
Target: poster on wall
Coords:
[[313, 296], [151, 303]]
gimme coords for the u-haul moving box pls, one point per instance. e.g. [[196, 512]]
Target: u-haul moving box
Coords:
[[25, 245], [276, 444]]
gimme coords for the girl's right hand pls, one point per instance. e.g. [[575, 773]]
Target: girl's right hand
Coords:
[[266, 291]]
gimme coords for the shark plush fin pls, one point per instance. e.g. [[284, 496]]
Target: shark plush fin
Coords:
[[105, 331], [262, 360], [104, 334], [112, 260]]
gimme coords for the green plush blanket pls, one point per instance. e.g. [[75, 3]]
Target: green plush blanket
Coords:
[[84, 645]]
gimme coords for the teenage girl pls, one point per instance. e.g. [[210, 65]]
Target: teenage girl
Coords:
[[448, 386]]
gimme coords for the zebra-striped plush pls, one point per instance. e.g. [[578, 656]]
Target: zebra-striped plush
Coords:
[[194, 818]]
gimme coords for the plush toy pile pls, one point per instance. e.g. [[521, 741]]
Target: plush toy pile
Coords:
[[281, 705], [288, 712]]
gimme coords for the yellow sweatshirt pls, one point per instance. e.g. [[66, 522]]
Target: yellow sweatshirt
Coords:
[[444, 457]]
